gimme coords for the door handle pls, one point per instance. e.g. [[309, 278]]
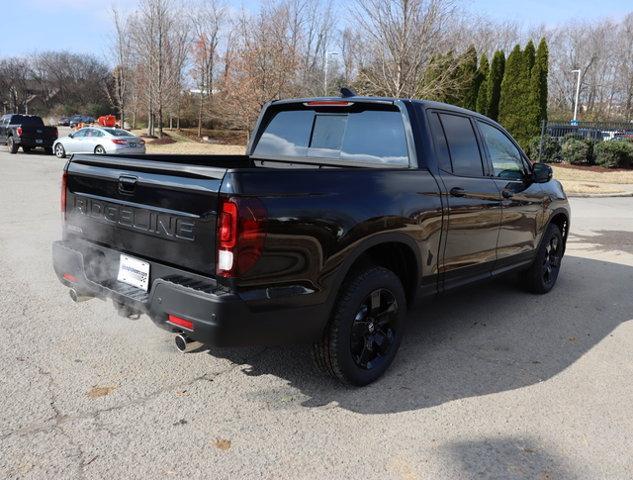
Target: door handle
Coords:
[[457, 192], [505, 193]]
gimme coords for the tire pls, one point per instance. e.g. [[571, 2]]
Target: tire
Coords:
[[13, 147], [542, 275], [48, 150], [26, 149], [59, 151], [365, 328], [99, 150]]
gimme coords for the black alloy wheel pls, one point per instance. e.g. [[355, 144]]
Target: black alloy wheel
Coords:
[[374, 329]]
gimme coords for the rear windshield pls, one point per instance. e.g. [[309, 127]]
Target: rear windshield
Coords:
[[27, 120], [117, 132], [367, 136]]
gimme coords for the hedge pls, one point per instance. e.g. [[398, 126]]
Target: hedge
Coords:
[[576, 152], [614, 154], [551, 149]]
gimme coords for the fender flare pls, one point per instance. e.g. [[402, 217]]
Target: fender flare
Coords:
[[363, 247], [546, 225]]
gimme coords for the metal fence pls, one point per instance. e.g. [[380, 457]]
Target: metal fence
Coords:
[[589, 130]]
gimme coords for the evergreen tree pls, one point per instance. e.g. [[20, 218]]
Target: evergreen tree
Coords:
[[529, 57], [538, 86], [513, 106], [468, 79], [436, 84], [482, 94], [497, 69]]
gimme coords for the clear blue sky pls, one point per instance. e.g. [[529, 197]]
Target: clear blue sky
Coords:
[[85, 25]]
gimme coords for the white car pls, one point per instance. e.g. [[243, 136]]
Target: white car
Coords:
[[100, 141]]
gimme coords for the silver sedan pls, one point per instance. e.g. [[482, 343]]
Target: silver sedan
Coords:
[[100, 141]]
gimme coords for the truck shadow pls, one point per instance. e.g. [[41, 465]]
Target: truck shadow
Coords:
[[477, 341]]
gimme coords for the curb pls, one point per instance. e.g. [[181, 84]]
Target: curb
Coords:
[[600, 195]]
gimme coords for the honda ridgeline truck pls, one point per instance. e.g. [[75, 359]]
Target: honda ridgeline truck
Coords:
[[341, 213]]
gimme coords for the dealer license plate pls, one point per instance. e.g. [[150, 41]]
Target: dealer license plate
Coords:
[[134, 272]]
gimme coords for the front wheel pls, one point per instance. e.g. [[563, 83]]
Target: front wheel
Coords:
[[365, 329], [542, 275]]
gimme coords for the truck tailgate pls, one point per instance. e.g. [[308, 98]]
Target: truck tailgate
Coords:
[[149, 209]]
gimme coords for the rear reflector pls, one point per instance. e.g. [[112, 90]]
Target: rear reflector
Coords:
[[70, 278], [181, 322]]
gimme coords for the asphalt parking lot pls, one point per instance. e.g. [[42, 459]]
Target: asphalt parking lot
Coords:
[[490, 382]]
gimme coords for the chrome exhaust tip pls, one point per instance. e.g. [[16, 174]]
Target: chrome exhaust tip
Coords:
[[184, 344], [77, 297]]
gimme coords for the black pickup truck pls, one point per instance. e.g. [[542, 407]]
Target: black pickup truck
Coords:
[[26, 131], [342, 212]]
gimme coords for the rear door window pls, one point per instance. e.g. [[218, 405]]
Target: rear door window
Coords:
[[462, 145], [366, 136], [441, 147]]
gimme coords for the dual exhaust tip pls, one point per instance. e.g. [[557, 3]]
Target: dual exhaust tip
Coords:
[[78, 297], [184, 344]]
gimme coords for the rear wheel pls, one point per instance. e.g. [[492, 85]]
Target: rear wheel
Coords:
[[99, 150], [26, 149], [365, 329], [59, 151], [542, 275], [13, 147]]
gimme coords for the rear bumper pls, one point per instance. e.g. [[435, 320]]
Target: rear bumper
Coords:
[[220, 318], [32, 142]]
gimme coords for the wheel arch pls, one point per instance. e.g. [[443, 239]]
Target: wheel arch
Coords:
[[560, 218], [396, 252]]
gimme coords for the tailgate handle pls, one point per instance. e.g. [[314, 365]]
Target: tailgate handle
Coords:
[[127, 184]]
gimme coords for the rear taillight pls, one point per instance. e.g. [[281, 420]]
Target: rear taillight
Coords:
[[240, 235], [118, 141], [63, 194], [19, 131]]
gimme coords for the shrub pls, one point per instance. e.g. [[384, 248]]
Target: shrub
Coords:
[[549, 154], [615, 154], [576, 152]]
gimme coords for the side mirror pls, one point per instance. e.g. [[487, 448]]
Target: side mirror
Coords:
[[543, 173]]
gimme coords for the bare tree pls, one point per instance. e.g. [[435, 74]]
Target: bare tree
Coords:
[[14, 77], [121, 48], [206, 23], [263, 64], [160, 36], [402, 37]]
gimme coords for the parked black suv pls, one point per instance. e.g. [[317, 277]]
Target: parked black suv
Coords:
[[341, 214]]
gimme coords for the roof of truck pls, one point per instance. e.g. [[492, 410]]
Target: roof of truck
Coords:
[[384, 100]]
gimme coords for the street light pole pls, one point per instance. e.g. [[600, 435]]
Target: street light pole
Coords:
[[577, 93], [325, 68]]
